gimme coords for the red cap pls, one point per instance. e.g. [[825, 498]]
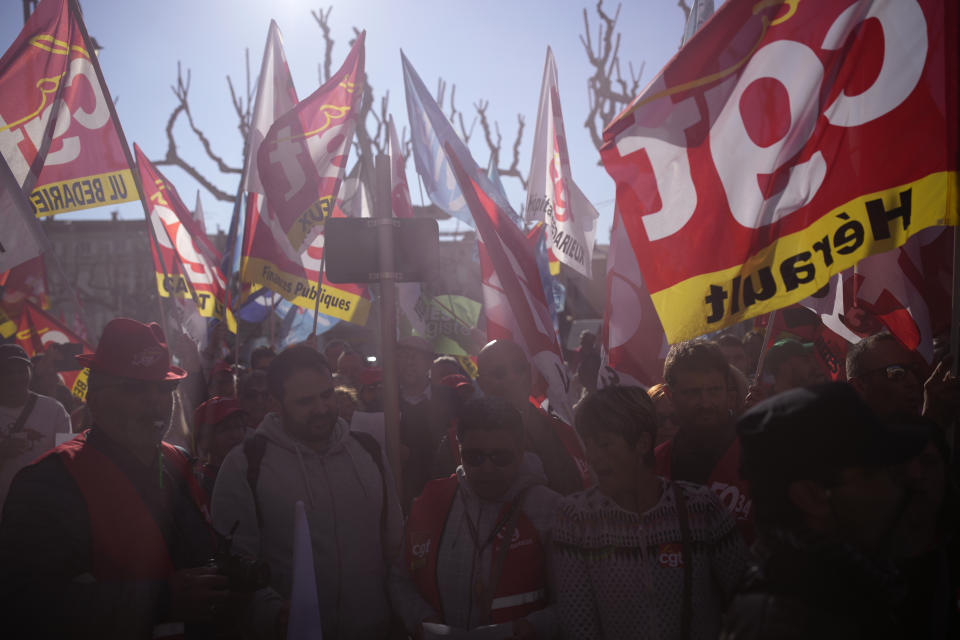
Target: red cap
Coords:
[[371, 375], [131, 349], [216, 409]]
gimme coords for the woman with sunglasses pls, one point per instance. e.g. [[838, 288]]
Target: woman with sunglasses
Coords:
[[632, 555], [474, 547]]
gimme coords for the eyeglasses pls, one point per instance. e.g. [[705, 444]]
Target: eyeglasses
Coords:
[[895, 372], [476, 457], [142, 387]]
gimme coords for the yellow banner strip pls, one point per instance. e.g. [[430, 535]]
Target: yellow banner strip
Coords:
[[84, 193], [334, 302], [798, 265]]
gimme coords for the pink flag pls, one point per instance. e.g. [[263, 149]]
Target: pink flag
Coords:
[[513, 297], [302, 159], [634, 344], [57, 132]]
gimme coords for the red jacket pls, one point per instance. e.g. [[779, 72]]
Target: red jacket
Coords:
[[725, 480], [522, 586], [127, 543]]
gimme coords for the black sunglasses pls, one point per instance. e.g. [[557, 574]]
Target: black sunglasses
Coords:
[[895, 372], [499, 457]]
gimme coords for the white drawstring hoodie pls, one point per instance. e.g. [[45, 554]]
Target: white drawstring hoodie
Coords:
[[341, 488]]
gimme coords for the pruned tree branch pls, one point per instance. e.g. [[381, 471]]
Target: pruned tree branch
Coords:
[[323, 21], [173, 158], [608, 91]]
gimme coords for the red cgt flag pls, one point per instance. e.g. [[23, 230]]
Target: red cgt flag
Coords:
[[513, 297], [784, 143], [57, 132], [185, 259], [37, 330], [300, 166]]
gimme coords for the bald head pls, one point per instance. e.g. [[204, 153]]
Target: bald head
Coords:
[[504, 372]]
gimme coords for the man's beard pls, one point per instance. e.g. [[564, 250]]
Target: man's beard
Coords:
[[316, 428]]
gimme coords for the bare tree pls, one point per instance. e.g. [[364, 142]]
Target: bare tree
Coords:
[[372, 132], [607, 89]]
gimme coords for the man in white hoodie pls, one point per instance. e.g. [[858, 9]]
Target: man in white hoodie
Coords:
[[305, 452]]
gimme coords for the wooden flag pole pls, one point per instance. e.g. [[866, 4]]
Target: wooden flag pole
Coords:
[[383, 211]]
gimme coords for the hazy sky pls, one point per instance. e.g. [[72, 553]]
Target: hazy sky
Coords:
[[492, 50]]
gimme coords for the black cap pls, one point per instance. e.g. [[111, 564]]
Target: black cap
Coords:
[[783, 350], [11, 352], [805, 432]]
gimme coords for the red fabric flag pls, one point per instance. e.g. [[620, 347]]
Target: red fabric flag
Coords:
[[56, 129], [37, 330], [634, 345], [908, 289], [300, 164], [513, 297], [185, 262], [26, 282], [781, 145]]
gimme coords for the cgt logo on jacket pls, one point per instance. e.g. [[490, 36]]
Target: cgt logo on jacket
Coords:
[[419, 548], [670, 555]]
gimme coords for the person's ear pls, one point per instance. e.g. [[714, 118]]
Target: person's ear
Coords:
[[810, 497]]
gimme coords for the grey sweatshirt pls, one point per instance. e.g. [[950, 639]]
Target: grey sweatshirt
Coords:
[[342, 491], [456, 570]]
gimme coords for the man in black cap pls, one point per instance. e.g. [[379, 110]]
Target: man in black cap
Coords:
[[28, 421], [107, 535], [830, 497]]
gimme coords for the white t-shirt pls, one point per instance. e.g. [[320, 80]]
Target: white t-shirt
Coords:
[[36, 437]]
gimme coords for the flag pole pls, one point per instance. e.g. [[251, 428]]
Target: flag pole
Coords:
[[383, 212], [134, 172], [768, 332]]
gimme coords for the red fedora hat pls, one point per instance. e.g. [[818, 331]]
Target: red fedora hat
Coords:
[[131, 349]]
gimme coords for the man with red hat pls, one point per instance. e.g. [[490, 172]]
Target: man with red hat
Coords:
[[107, 535], [219, 425]]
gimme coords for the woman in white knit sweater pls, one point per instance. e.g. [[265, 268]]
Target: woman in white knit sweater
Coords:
[[639, 556]]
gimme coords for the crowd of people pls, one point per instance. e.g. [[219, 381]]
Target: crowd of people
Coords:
[[708, 506]]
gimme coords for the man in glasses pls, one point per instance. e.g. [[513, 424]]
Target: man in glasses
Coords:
[[107, 535], [304, 452], [893, 380], [474, 547], [503, 371]]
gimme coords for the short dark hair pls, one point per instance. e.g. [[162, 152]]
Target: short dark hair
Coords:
[[857, 353], [695, 355], [729, 340], [489, 414], [248, 379], [263, 351], [289, 361], [625, 411]]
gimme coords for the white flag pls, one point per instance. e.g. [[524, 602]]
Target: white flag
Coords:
[[304, 623], [275, 96], [21, 237], [552, 194]]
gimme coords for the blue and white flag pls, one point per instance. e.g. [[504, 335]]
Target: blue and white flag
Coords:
[[304, 621], [700, 12], [430, 132]]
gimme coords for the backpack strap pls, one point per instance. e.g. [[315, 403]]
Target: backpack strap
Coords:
[[370, 444], [25, 413], [254, 449]]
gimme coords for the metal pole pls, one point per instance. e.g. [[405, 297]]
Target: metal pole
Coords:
[[763, 347], [388, 315]]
